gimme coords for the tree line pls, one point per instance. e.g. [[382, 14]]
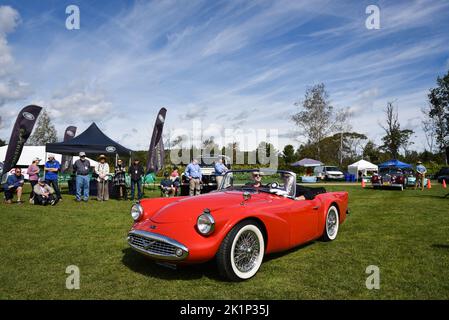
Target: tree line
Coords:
[[328, 133]]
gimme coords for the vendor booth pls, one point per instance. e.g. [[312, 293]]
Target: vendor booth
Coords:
[[93, 142], [362, 169], [395, 163], [309, 164]]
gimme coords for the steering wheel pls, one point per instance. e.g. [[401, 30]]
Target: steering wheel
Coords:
[[273, 185]]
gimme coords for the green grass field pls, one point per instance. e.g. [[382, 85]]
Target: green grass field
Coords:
[[406, 234]]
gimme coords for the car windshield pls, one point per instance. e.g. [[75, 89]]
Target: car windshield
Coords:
[[332, 169], [390, 171], [209, 162], [282, 183]]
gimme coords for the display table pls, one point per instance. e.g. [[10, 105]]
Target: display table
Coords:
[[308, 179]]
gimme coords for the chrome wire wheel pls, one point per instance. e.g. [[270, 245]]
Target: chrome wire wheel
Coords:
[[332, 223], [246, 251]]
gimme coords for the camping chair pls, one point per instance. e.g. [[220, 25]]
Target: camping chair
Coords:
[[150, 179]]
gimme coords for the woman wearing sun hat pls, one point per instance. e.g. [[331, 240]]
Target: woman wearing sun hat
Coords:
[[102, 170], [33, 173]]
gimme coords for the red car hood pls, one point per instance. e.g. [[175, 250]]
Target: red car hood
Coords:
[[190, 208]]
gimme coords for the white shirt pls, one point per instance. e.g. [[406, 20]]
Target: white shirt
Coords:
[[102, 170]]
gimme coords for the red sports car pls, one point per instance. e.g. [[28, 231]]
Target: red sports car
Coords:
[[253, 213]]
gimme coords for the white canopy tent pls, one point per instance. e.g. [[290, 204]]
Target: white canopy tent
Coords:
[[363, 166], [31, 152]]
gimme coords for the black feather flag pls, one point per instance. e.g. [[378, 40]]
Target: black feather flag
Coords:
[[20, 133], [66, 161], [156, 154]]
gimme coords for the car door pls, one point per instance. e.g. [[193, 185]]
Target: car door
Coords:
[[304, 217]]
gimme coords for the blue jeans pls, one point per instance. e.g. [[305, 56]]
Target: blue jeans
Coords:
[[139, 188], [82, 184]]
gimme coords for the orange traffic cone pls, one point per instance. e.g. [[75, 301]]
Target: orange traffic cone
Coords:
[[444, 183], [363, 183], [429, 186]]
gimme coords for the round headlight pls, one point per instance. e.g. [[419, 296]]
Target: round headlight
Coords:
[[136, 212], [205, 224]]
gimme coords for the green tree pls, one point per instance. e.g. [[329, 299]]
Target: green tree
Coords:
[[371, 152], [317, 118], [394, 138], [439, 112], [44, 132], [288, 154]]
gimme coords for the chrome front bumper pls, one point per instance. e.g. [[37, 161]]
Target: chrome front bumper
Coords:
[[157, 246], [394, 185]]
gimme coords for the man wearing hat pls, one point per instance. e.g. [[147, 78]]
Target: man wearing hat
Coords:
[[420, 175], [33, 175], [44, 194], [81, 168], [52, 167], [14, 185], [136, 172], [102, 171]]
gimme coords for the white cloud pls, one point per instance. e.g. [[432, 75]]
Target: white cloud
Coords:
[[9, 19], [83, 105], [10, 88]]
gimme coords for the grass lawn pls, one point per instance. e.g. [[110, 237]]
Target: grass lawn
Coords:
[[405, 234]]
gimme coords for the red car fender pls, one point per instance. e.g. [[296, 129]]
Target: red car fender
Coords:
[[327, 199], [275, 229], [152, 205]]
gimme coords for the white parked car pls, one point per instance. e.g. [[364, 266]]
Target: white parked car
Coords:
[[329, 173]]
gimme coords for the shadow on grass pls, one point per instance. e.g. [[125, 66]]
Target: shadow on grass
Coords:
[[432, 196], [277, 255], [147, 267], [440, 246]]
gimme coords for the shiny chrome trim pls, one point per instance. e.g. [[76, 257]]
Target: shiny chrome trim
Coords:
[[158, 237], [212, 223], [140, 208]]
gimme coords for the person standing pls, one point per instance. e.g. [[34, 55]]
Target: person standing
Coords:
[[52, 167], [136, 172], [220, 170], [119, 180], [81, 168], [420, 175], [102, 171], [33, 175], [193, 173], [14, 185]]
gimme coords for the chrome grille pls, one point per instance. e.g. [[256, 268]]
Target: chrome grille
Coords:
[[152, 245]]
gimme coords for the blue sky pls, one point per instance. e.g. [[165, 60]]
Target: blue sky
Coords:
[[231, 64]]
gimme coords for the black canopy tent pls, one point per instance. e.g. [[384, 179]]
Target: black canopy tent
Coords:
[[92, 141]]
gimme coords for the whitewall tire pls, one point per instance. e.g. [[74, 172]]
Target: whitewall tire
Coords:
[[331, 224], [241, 252]]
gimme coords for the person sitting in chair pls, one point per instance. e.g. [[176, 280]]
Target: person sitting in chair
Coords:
[[174, 177], [44, 194], [166, 185], [14, 185]]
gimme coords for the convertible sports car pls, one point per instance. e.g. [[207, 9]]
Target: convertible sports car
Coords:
[[254, 212]]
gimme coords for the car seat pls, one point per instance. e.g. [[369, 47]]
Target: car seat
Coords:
[[308, 192]]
